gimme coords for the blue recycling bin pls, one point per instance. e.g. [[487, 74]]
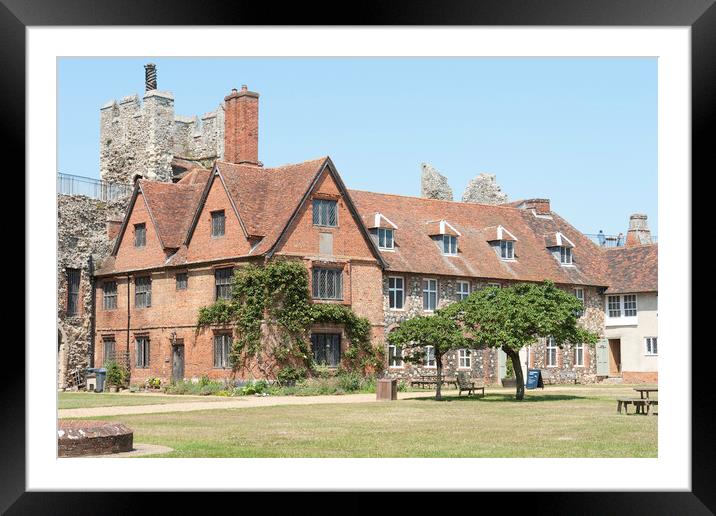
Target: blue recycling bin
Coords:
[[101, 376]]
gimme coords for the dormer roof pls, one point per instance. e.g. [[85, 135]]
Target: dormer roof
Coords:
[[381, 221], [557, 240], [441, 227]]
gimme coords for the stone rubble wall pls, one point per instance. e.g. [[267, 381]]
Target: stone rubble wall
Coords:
[[433, 185], [484, 189], [81, 232], [141, 137]]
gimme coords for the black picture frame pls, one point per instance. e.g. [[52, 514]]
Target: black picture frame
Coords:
[[699, 15]]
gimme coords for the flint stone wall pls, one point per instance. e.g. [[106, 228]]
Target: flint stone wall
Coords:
[[433, 185], [141, 138], [484, 189], [81, 232]]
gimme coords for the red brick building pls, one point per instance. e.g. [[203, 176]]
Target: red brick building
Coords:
[[388, 257]]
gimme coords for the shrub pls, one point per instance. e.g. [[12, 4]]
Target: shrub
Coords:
[[116, 374], [288, 376]]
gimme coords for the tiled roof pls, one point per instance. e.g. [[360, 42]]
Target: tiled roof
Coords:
[[416, 252], [633, 268], [172, 206]]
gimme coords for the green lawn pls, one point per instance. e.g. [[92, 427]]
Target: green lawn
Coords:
[[71, 400], [556, 422]]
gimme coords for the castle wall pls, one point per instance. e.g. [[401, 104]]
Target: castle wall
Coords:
[[81, 232], [141, 137]]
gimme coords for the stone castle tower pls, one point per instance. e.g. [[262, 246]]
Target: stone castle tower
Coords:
[[147, 138]]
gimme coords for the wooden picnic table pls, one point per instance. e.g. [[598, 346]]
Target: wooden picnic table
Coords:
[[644, 391]]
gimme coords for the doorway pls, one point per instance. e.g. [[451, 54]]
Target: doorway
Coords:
[[615, 357], [178, 361]]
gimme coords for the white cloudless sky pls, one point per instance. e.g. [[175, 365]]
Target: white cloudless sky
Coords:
[[579, 131]]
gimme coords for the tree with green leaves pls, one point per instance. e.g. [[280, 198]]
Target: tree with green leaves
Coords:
[[514, 317], [413, 335]]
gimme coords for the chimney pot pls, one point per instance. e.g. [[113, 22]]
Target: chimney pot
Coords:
[[244, 87]]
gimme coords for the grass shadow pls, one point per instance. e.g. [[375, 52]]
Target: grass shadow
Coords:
[[490, 398]]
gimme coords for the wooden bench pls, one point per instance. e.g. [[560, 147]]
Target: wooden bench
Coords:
[[430, 381], [466, 384], [641, 405]]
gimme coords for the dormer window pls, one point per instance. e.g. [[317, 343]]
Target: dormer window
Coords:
[[450, 245], [385, 238], [565, 255], [507, 249]]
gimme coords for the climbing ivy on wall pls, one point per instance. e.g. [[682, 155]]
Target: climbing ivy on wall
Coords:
[[272, 301]]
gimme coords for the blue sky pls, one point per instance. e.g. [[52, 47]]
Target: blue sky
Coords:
[[581, 132]]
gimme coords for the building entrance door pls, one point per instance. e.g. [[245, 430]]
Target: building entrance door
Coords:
[[178, 361], [615, 357]]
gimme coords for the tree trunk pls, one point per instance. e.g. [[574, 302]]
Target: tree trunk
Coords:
[[519, 379], [439, 364]]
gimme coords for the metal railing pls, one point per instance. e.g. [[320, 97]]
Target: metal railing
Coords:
[[613, 240], [68, 184]]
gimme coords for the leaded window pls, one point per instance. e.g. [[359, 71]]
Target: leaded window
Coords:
[[73, 291], [218, 223], [109, 295], [430, 294], [182, 280], [579, 294], [651, 346], [140, 235], [325, 212], [109, 349], [142, 352], [327, 283], [326, 348], [143, 292], [385, 238], [222, 279], [396, 293], [222, 351]]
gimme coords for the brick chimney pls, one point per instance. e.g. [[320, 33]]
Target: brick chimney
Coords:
[[638, 232], [241, 127], [541, 206], [114, 224]]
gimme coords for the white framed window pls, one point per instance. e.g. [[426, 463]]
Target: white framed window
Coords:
[[385, 238], [430, 294], [507, 249], [565, 255], [396, 292], [622, 306], [464, 359], [449, 245], [614, 306], [551, 352], [395, 356], [630, 305], [651, 347], [579, 294], [463, 290], [430, 356], [579, 355]]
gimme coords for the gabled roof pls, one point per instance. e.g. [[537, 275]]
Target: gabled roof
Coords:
[[633, 268], [171, 206], [441, 227], [557, 240], [381, 221], [476, 257], [499, 233]]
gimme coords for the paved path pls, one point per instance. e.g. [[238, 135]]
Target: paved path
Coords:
[[238, 402]]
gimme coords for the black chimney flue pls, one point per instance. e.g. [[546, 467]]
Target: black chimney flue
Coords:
[[150, 77]]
